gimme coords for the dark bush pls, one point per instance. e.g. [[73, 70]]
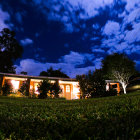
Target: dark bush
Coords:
[[24, 88], [7, 88], [55, 90], [43, 88], [110, 92]]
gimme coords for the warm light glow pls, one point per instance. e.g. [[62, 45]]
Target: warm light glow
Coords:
[[62, 93], [62, 87], [107, 87], [67, 88], [15, 84], [36, 88], [76, 90], [31, 87]]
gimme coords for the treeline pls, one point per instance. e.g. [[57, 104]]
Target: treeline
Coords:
[[114, 67]]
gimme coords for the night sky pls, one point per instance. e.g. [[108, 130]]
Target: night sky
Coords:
[[74, 35]]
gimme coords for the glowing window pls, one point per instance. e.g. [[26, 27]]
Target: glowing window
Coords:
[[31, 87], [15, 84], [67, 88], [36, 88]]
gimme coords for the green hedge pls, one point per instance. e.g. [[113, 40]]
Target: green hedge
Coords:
[[102, 118]]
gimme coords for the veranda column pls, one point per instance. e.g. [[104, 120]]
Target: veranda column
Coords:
[[118, 87], [28, 87], [2, 79]]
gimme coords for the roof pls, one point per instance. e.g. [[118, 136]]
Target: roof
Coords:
[[36, 77], [111, 81]]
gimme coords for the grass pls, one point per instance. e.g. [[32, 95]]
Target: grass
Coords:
[[100, 118]]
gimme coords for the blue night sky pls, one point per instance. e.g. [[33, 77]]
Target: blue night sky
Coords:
[[74, 35]]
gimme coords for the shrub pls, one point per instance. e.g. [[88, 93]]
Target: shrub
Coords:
[[24, 88], [44, 88], [110, 92], [7, 88], [55, 90]]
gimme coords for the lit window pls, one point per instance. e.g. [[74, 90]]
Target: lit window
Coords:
[[67, 88], [36, 88], [76, 91], [15, 84], [31, 87]]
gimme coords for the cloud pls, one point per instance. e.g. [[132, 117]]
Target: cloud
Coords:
[[76, 58], [111, 28], [118, 37], [94, 50], [136, 49], [70, 12], [134, 15], [133, 35], [35, 67], [4, 19], [113, 36], [67, 63], [94, 38], [96, 26], [90, 6], [131, 4], [26, 41], [19, 17]]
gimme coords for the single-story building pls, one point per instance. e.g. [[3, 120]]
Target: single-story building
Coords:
[[70, 87]]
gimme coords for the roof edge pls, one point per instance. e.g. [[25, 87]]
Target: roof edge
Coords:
[[36, 77]]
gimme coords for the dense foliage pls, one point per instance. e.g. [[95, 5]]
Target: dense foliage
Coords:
[[119, 67], [7, 88], [54, 73], [10, 50], [46, 87], [101, 118], [43, 88], [55, 89], [24, 88], [93, 85]]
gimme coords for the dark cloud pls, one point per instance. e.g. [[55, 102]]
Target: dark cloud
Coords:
[[26, 41]]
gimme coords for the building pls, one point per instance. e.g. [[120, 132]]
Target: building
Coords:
[[113, 84], [70, 87]]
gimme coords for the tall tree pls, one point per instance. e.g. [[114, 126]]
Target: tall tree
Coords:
[[119, 67], [10, 50], [53, 73]]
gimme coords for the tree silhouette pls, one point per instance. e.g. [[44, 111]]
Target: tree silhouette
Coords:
[[10, 50], [53, 73]]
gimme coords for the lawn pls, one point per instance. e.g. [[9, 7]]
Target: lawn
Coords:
[[101, 118]]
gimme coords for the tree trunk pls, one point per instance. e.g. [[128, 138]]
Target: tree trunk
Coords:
[[124, 87]]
